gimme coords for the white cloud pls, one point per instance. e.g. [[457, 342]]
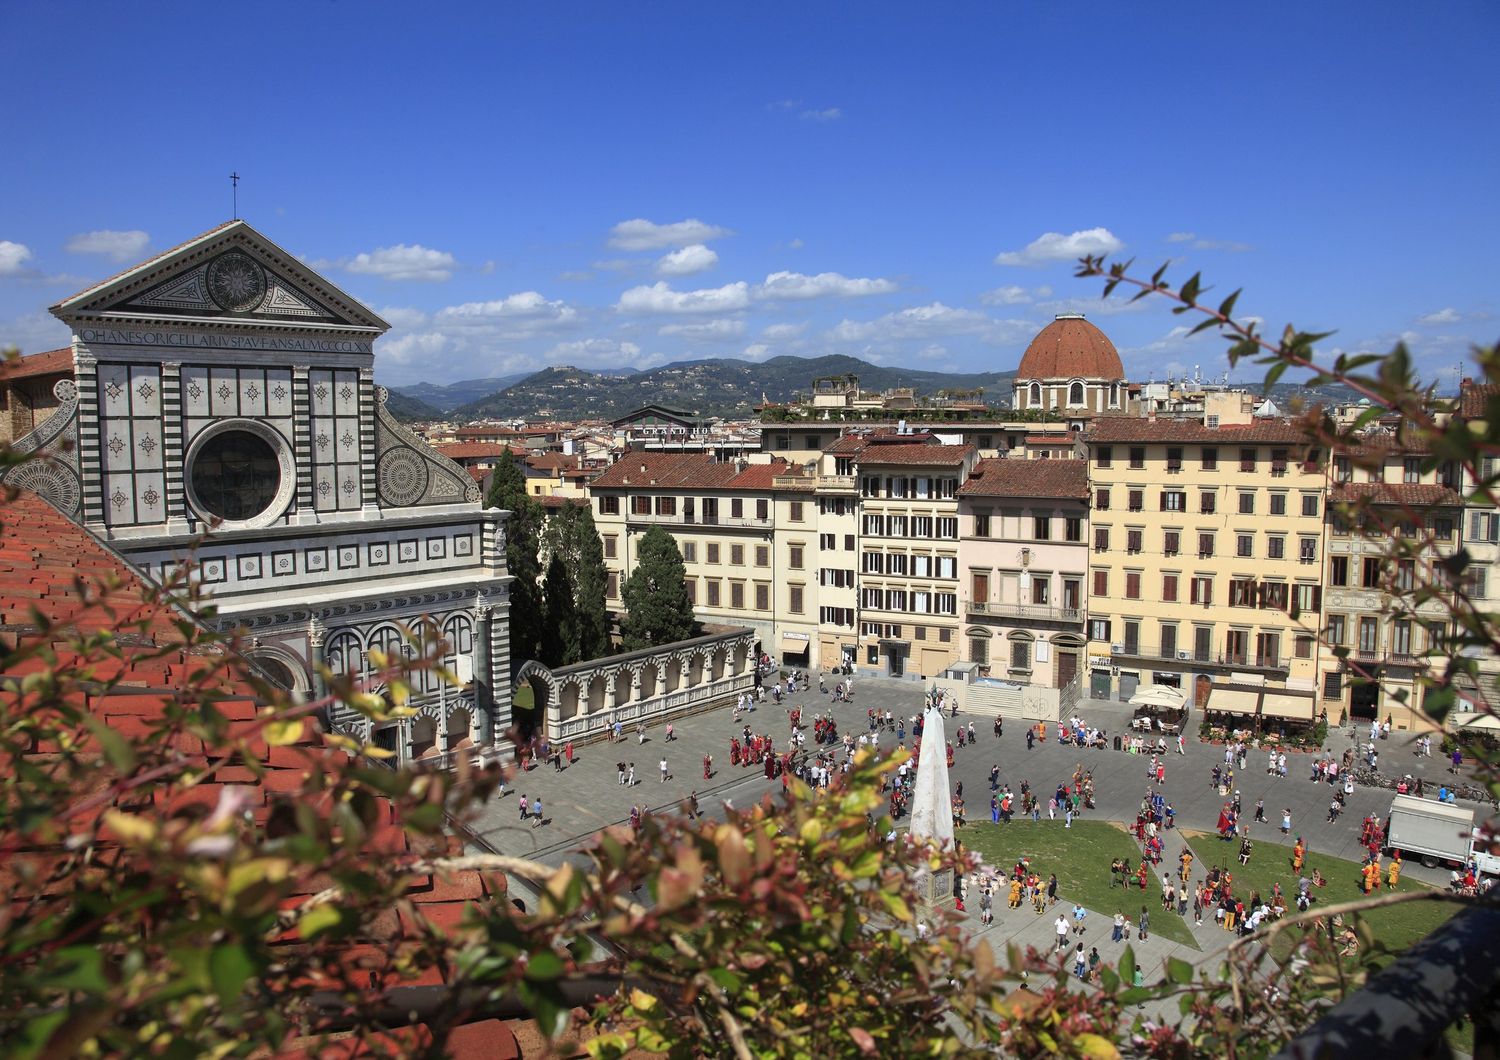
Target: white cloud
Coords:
[[403, 316], [1447, 315], [797, 286], [33, 333], [1096, 307], [926, 322], [116, 246], [600, 353], [525, 307], [660, 298], [1010, 295], [575, 275], [13, 258], [823, 114], [1229, 245], [1054, 246], [796, 244], [756, 351], [933, 351], [640, 234], [710, 330], [782, 332], [400, 262], [412, 348], [693, 258]]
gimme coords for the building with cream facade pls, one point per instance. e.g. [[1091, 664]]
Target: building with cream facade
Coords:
[[1206, 571], [1024, 561]]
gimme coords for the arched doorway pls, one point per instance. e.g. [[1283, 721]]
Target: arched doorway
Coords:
[[529, 699]]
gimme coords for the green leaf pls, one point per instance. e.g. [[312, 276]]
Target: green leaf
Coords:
[[230, 965], [281, 732], [1179, 970], [116, 748], [1127, 964], [544, 966], [318, 919], [726, 979], [79, 968]]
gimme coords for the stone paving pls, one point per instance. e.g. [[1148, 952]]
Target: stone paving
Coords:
[[586, 796]]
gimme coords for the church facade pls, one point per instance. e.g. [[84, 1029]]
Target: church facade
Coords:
[[224, 413]]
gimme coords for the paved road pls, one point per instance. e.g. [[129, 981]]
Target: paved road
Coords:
[[587, 796]]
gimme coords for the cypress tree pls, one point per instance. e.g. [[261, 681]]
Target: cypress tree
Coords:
[[522, 558], [559, 635], [657, 607]]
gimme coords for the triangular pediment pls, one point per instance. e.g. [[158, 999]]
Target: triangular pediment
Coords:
[[229, 273]]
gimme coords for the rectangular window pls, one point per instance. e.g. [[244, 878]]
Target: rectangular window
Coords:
[[1337, 630], [666, 506], [1276, 548], [947, 528], [1338, 570], [1132, 637], [762, 555], [1406, 574], [872, 655], [1411, 470], [1307, 550], [1205, 545], [1268, 649], [1168, 639], [1278, 461], [1137, 499], [1369, 635], [1310, 505], [1247, 459], [691, 585], [712, 586], [796, 511], [1304, 647], [1171, 542], [1074, 528], [1442, 528], [794, 557], [737, 508], [1274, 596], [1343, 471], [611, 585], [979, 650], [895, 526], [1101, 499], [794, 599], [1244, 545], [1099, 629], [1104, 455], [1333, 685], [762, 597], [610, 543], [1206, 503], [1169, 588], [1101, 583], [1173, 501], [1479, 582], [640, 505], [1247, 503], [1370, 573], [1101, 539], [848, 542], [713, 552], [1202, 590], [1210, 458], [895, 562], [1278, 504], [1242, 592], [1133, 540], [737, 595], [981, 525], [690, 552], [736, 555], [609, 505], [762, 508], [1174, 459], [1042, 527], [1137, 456], [1132, 585], [1306, 599], [1020, 655]]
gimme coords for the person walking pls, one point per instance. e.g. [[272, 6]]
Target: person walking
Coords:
[[536, 812], [663, 771], [525, 807], [1079, 913], [1145, 924], [1286, 821], [568, 750], [630, 776], [1060, 925], [1260, 811], [1118, 934], [620, 768], [1080, 962]]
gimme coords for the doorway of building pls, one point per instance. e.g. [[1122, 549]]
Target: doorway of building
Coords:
[[895, 660], [1364, 700], [1067, 668], [1099, 684], [1129, 682]]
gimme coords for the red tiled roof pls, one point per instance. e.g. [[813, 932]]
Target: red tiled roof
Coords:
[[760, 476], [666, 471], [52, 362], [1405, 494], [486, 432], [1051, 439], [478, 474], [1134, 429], [915, 455], [999, 477], [1070, 348], [471, 450], [1474, 399], [552, 461]]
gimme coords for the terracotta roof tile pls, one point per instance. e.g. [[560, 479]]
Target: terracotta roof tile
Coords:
[[665, 471], [1133, 429], [52, 362], [915, 455], [1474, 399], [999, 477], [474, 450], [1070, 348], [1405, 494]]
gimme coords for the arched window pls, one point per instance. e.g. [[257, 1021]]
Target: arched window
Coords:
[[343, 653], [1114, 395], [1036, 396], [388, 639], [458, 632], [1075, 394]]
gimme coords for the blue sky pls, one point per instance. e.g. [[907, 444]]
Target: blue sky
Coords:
[[609, 185]]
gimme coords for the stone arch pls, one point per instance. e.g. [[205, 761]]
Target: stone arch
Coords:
[[1075, 393], [672, 679], [533, 691], [695, 668], [651, 679], [595, 692], [460, 724], [1034, 396], [716, 663], [282, 668], [622, 680], [424, 735]]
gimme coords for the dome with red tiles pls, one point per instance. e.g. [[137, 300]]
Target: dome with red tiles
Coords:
[[1071, 348]]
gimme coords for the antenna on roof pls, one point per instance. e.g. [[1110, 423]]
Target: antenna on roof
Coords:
[[234, 192]]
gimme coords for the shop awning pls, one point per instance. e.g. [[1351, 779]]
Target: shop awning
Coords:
[[1233, 700], [793, 645], [1480, 721], [1287, 705]]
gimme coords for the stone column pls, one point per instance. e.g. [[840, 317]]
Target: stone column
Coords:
[[484, 677], [316, 659], [304, 510]]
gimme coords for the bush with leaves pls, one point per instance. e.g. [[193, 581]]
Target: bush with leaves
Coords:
[[657, 608]]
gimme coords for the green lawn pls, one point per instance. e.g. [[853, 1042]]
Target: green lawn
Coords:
[[1080, 856], [1399, 926]]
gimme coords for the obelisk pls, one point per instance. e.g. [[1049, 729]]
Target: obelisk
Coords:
[[932, 807]]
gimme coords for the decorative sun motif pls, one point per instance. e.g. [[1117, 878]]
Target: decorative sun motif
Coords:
[[145, 390], [151, 497], [118, 498], [347, 438], [279, 392], [252, 392], [321, 391], [348, 486], [114, 389], [116, 444], [194, 390], [324, 488], [147, 444], [224, 392], [346, 393], [323, 440], [236, 282]]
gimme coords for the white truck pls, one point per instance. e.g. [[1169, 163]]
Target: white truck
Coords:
[[1435, 832]]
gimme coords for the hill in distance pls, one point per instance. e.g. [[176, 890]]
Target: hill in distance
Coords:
[[714, 387]]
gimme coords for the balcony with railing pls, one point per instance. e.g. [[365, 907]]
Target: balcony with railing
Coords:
[[740, 522], [1272, 665], [1031, 612]]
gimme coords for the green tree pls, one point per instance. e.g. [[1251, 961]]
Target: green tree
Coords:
[[559, 636], [572, 536], [522, 558], [657, 608]]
